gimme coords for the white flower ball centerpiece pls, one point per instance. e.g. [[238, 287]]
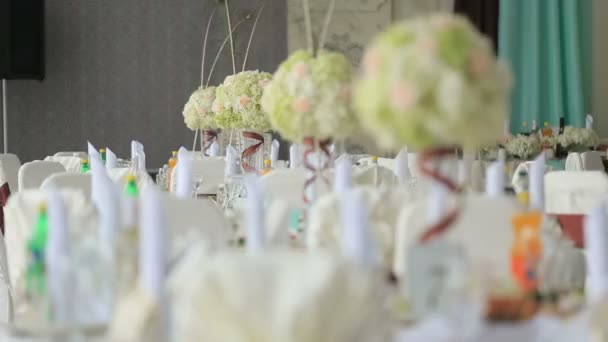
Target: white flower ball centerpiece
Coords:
[[575, 139], [309, 102], [433, 83], [199, 116], [237, 107], [525, 146]]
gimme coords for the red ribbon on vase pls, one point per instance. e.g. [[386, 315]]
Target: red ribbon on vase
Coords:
[[5, 192], [428, 168], [210, 136], [321, 165], [251, 150]]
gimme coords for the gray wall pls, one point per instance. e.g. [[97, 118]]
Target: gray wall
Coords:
[[122, 69]]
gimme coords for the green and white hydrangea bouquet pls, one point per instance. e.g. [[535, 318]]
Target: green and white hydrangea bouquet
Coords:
[[433, 81], [309, 97], [578, 139], [524, 146], [197, 111], [237, 102]]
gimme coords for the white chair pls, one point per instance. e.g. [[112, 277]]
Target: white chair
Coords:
[[592, 161], [574, 162], [574, 192], [77, 154], [68, 180], [32, 174], [119, 176], [71, 163], [288, 185], [10, 163], [192, 219]]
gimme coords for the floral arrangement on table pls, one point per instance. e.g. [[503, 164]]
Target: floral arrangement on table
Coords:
[[309, 97], [197, 111], [433, 81], [548, 141], [524, 146], [237, 102], [578, 139]]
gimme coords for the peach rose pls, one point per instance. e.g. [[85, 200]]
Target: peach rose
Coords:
[[301, 105], [244, 100], [301, 70], [479, 63], [403, 96]]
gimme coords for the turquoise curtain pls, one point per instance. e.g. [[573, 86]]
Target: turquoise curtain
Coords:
[[548, 45]]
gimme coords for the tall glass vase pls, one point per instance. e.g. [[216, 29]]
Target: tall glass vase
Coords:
[[254, 147]]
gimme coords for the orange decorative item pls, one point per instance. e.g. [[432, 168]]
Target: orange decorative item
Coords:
[[267, 168], [172, 163], [527, 249], [547, 131]]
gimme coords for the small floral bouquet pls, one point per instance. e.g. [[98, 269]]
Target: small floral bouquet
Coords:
[[548, 141], [578, 139], [524, 146], [197, 111], [433, 81], [237, 102], [309, 97]]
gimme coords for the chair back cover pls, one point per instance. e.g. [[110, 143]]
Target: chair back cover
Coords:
[[32, 174], [77, 154], [574, 162], [592, 161], [574, 192], [69, 180], [71, 163], [10, 163]]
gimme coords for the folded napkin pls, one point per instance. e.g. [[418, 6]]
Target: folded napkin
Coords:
[[574, 162], [589, 121], [343, 176], [92, 151], [255, 215], [495, 179], [106, 197], [537, 183], [138, 156], [358, 243], [402, 168], [274, 151], [281, 296], [231, 161], [214, 149], [294, 156], [111, 159], [596, 245], [183, 174]]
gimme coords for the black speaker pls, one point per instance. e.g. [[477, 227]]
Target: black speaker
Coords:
[[22, 39]]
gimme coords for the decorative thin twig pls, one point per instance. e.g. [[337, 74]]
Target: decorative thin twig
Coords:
[[205, 46], [195, 138], [230, 35], [202, 142], [220, 51], [255, 24], [308, 26], [328, 16]]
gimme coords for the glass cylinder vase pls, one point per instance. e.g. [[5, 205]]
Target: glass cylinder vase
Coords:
[[254, 149]]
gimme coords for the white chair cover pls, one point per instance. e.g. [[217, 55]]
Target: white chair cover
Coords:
[[384, 208], [71, 163], [288, 185], [119, 176], [10, 163], [592, 161], [32, 174], [77, 154], [574, 162], [374, 175], [485, 232], [69, 180], [526, 167], [575, 192], [21, 214]]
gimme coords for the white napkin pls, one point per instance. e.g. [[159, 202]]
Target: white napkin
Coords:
[[184, 174], [138, 156], [111, 159], [92, 151], [106, 198], [255, 219], [589, 121], [402, 168], [274, 151], [59, 275], [596, 245], [495, 179], [231, 158], [294, 156], [537, 183], [214, 149], [357, 242], [343, 176]]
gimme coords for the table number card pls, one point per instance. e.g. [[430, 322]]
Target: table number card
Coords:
[[436, 274]]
